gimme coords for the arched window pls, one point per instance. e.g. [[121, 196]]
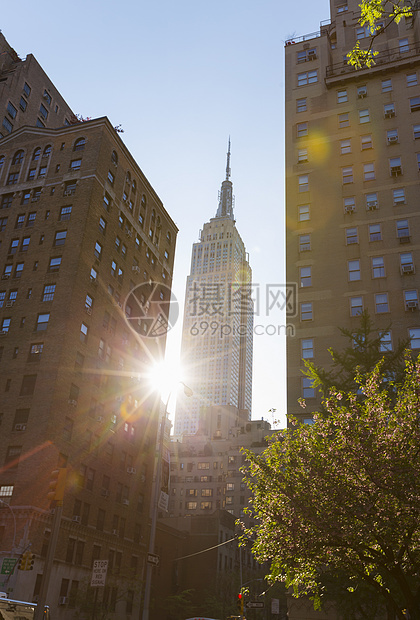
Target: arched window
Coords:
[[114, 158], [79, 145], [1, 162], [17, 158], [128, 178], [37, 153], [153, 216], [143, 201], [134, 187], [47, 151], [158, 222], [168, 237]]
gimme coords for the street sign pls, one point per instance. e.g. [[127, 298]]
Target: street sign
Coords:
[[254, 605], [275, 606], [8, 566], [99, 571], [153, 559]]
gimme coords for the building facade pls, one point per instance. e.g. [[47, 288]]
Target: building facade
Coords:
[[352, 187], [218, 319], [86, 259]]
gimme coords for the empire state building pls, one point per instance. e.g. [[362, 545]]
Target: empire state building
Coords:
[[218, 318]]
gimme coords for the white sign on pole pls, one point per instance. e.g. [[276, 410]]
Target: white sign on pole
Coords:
[[275, 606], [100, 568]]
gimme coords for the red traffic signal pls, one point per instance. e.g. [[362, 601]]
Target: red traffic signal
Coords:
[[57, 485], [240, 603]]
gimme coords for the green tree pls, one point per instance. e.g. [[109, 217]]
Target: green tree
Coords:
[[361, 355], [378, 15], [343, 494]]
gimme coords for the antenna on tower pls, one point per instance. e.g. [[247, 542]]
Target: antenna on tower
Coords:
[[228, 162]]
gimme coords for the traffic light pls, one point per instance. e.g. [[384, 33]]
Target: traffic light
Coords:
[[30, 561], [22, 563], [57, 485], [240, 603]]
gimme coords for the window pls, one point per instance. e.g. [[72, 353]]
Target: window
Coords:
[[65, 213], [7, 125], [75, 164], [80, 144], [301, 129], [83, 332], [26, 89], [362, 91], [17, 158], [398, 196], [403, 231], [12, 179], [14, 244], [364, 116], [416, 132], [305, 277], [375, 233], [345, 146], [389, 109], [110, 177], [343, 120], [381, 303], [306, 55], [98, 250], [42, 322], [369, 172], [308, 391], [414, 334], [349, 204], [39, 123], [310, 77], [303, 183], [307, 348], [395, 166], [341, 96], [301, 105], [304, 213], [354, 270], [412, 79], [366, 142], [392, 136], [48, 294], [347, 174], [102, 225], [411, 300], [60, 237], [386, 86], [31, 220], [12, 456], [19, 269], [356, 306], [378, 267], [414, 104], [3, 222], [306, 313], [43, 111], [107, 201], [372, 201], [304, 243], [5, 325], [403, 46], [351, 236], [406, 262], [6, 201], [54, 264], [25, 244]]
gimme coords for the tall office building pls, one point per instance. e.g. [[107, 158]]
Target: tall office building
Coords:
[[80, 229], [218, 318], [353, 160]]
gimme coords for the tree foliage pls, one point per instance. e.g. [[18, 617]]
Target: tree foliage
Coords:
[[377, 15], [343, 494], [361, 355]]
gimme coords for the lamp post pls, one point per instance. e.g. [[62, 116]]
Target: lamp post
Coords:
[[155, 502]]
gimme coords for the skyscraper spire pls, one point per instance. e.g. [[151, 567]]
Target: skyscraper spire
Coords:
[[225, 208]]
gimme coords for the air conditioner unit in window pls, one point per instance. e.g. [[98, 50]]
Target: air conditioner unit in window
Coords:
[[88, 310], [408, 268], [5, 276], [389, 114], [411, 305], [312, 55], [131, 470], [20, 427], [349, 209], [404, 238], [104, 492], [135, 269], [35, 199], [126, 502], [129, 233], [63, 600], [9, 303], [72, 402], [392, 139], [3, 332], [372, 205], [362, 93], [77, 519], [396, 170], [36, 350]]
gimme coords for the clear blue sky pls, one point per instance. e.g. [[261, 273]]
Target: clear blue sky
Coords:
[[181, 77]]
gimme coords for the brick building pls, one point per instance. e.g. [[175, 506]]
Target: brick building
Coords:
[[80, 229]]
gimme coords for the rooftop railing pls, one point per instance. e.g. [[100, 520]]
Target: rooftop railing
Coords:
[[384, 57]]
